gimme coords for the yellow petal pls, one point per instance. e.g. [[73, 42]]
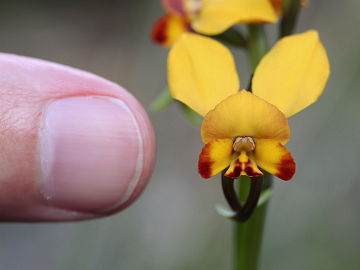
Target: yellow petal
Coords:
[[216, 16], [214, 157], [275, 158], [293, 74], [243, 166], [168, 29], [244, 114], [201, 72]]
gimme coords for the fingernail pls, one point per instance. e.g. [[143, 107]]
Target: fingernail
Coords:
[[90, 153]]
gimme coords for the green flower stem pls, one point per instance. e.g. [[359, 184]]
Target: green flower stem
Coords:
[[291, 10], [257, 44], [248, 235]]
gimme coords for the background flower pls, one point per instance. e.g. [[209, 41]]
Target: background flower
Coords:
[[208, 17]]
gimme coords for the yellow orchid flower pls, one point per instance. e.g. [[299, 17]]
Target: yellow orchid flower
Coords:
[[243, 130], [210, 17]]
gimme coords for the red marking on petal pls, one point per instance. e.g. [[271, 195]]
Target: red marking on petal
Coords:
[[251, 172], [168, 28], [236, 172], [277, 4], [243, 167], [205, 162], [286, 168], [158, 33]]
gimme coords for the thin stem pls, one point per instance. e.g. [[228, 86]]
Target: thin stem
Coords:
[[163, 101], [248, 235], [190, 114], [291, 10], [244, 188], [252, 200], [233, 37], [257, 44]]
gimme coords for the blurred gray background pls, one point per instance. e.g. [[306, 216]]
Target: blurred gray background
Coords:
[[314, 220]]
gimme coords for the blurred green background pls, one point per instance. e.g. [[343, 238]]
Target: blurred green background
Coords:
[[314, 220]]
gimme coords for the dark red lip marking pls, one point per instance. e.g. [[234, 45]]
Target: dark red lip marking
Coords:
[[245, 167], [205, 163], [287, 167]]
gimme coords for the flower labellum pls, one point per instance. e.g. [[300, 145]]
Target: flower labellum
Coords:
[[245, 145]]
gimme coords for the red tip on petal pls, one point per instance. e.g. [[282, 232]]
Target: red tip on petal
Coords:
[[277, 4], [158, 33], [205, 163], [168, 28], [286, 168], [236, 171]]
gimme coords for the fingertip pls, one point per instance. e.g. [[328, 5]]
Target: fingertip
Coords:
[[147, 157], [96, 153], [94, 147]]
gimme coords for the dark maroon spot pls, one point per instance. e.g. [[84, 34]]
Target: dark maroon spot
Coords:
[[205, 168], [286, 168], [249, 170], [236, 171], [205, 163], [158, 33]]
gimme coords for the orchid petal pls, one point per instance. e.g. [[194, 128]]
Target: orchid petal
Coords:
[[201, 72], [275, 158], [293, 74]]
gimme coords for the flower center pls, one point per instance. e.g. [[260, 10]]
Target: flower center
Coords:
[[244, 143]]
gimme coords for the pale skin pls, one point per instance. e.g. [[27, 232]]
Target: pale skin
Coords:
[[72, 145]]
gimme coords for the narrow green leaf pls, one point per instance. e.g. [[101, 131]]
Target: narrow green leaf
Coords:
[[291, 9], [191, 115], [163, 101], [258, 45]]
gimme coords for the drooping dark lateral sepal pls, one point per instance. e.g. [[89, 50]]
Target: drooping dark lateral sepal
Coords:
[[243, 211]]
